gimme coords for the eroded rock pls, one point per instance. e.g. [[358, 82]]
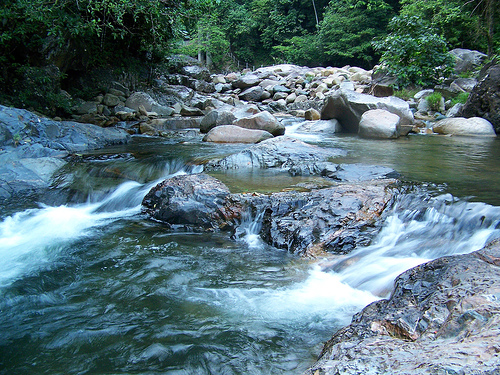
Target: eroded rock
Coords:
[[442, 318]]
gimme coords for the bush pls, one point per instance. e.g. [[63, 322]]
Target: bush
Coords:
[[413, 53], [434, 101], [460, 98]]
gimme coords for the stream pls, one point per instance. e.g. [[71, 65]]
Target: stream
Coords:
[[90, 285]]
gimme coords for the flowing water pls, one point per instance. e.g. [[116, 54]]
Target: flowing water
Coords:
[[89, 285]]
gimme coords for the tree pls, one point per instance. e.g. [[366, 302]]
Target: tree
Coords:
[[348, 28], [414, 53]]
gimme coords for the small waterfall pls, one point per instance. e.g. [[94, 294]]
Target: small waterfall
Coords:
[[249, 229], [416, 234], [36, 237]]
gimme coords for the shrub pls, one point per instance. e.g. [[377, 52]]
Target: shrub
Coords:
[[460, 98], [434, 101], [413, 53]]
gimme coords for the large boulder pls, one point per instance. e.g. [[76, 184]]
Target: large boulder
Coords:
[[33, 148], [336, 219], [138, 99], [252, 94], [379, 123], [467, 60], [484, 100], [348, 106], [474, 126], [236, 134], [216, 117], [246, 81], [442, 318], [195, 200], [262, 121]]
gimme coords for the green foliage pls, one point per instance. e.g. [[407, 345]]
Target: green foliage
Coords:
[[406, 93], [301, 50], [348, 29], [414, 53], [460, 98], [452, 19], [434, 100]]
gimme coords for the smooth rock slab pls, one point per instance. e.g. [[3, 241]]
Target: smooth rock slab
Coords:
[[474, 126], [235, 134], [279, 152], [443, 317], [379, 123]]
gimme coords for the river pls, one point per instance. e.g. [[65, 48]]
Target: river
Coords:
[[90, 285]]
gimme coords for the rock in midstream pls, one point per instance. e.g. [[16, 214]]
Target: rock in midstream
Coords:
[[335, 219], [443, 317]]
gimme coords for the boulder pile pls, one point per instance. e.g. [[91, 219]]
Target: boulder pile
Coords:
[[192, 98]]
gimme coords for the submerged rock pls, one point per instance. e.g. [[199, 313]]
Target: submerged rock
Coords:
[[280, 152], [442, 318]]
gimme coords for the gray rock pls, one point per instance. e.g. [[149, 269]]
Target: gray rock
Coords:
[[252, 94], [441, 318], [87, 107], [197, 72], [246, 81], [262, 121], [379, 123], [140, 98], [235, 134], [111, 100], [348, 107], [484, 100], [196, 200], [467, 60], [41, 143], [191, 111], [320, 126], [280, 152], [474, 126], [466, 84], [455, 110]]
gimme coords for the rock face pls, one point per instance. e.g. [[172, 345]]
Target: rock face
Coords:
[[235, 134], [379, 123], [442, 318], [33, 148], [474, 126], [335, 219], [348, 106], [484, 100]]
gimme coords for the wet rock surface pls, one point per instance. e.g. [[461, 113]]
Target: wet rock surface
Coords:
[[334, 219], [442, 318], [32, 148]]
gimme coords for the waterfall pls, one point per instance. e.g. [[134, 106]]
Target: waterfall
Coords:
[[33, 238]]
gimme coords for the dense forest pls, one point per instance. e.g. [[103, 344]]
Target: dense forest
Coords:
[[71, 36]]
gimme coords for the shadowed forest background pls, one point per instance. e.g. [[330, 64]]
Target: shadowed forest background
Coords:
[[47, 41]]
